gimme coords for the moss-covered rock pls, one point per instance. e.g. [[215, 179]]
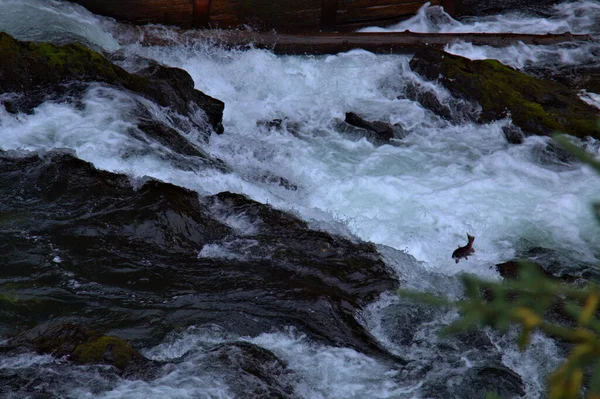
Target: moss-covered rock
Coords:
[[81, 345], [105, 349], [537, 106], [42, 69]]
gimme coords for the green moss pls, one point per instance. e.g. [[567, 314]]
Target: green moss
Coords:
[[105, 349], [77, 60], [538, 106], [9, 299], [69, 62]]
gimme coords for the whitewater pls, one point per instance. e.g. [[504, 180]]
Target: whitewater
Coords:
[[415, 198]]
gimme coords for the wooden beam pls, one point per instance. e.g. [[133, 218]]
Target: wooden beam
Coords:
[[396, 42], [201, 13], [329, 9]]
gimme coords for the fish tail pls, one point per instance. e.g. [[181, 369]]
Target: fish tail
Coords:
[[470, 238]]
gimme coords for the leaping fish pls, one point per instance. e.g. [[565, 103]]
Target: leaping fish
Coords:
[[464, 252]]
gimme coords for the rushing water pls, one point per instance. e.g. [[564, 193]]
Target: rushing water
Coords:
[[419, 196]]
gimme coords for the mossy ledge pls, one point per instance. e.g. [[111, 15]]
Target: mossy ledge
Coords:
[[537, 106], [82, 345], [41, 69], [105, 349]]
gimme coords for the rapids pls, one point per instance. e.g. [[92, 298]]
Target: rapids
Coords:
[[415, 199]]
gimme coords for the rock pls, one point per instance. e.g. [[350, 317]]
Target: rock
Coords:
[[83, 346], [38, 72], [455, 110], [376, 132], [477, 382], [581, 77], [253, 371], [555, 266], [174, 88], [537, 106], [481, 8], [169, 258], [553, 156], [403, 320], [513, 134], [552, 263]]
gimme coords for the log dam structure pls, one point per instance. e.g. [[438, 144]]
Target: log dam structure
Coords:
[[284, 16]]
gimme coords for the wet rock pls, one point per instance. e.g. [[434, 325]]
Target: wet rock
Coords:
[[42, 71], [540, 8], [428, 100], [537, 106], [138, 261], [455, 110], [84, 346], [270, 178], [555, 266], [513, 134], [376, 132], [581, 77], [552, 155], [174, 88], [403, 320], [477, 382], [253, 371], [552, 263], [276, 124]]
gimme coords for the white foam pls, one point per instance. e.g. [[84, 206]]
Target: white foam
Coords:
[[53, 20], [319, 371], [575, 17]]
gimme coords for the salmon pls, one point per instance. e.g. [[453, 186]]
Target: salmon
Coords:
[[464, 252]]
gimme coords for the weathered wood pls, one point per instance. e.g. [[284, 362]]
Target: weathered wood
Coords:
[[360, 13], [201, 15], [166, 12], [284, 16], [333, 43]]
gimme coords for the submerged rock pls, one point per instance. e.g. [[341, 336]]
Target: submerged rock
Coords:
[[537, 106], [253, 371], [355, 127], [581, 77], [552, 263], [376, 132], [454, 110], [137, 262], [477, 382], [481, 8], [84, 346]]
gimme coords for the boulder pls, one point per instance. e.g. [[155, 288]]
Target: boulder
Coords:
[[171, 259], [478, 8], [376, 132], [537, 106], [477, 382], [253, 371], [38, 72], [581, 77], [453, 110], [83, 346]]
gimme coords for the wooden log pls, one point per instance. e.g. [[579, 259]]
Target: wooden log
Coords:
[[333, 43], [284, 16]]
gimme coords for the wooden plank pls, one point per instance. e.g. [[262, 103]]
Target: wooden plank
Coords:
[[283, 15], [367, 15], [201, 13], [375, 12], [396, 42], [329, 9], [350, 4]]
